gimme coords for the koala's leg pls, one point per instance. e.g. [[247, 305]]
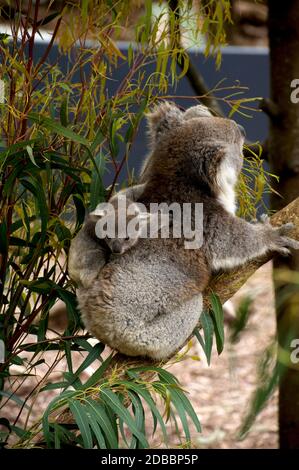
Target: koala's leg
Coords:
[[162, 336], [232, 241]]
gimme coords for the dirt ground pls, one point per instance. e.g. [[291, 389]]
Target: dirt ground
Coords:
[[220, 393]]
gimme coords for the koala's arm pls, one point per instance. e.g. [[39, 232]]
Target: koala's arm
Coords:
[[231, 241]]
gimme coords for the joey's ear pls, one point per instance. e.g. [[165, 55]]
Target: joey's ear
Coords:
[[164, 117], [98, 212], [197, 111], [101, 209]]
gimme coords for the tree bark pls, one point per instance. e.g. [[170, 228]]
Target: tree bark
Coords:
[[284, 160]]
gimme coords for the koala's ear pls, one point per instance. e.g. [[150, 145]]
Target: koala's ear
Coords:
[[197, 111], [101, 209], [98, 212], [164, 117]]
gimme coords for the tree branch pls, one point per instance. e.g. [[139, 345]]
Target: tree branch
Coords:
[[270, 108], [226, 285]]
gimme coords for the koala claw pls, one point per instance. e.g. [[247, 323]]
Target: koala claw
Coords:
[[283, 251], [283, 245], [290, 243], [285, 228]]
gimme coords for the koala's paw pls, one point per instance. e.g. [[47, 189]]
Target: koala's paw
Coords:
[[281, 242], [284, 229]]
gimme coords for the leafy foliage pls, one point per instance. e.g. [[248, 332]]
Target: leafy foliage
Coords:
[[212, 323], [61, 133]]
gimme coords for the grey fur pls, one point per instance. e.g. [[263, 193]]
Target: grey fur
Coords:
[[116, 244], [88, 254], [148, 301]]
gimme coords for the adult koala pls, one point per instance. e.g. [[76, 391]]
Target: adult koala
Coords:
[[148, 301]]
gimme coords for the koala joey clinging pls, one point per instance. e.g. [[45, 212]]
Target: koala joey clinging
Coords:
[[148, 301], [114, 219], [90, 250]]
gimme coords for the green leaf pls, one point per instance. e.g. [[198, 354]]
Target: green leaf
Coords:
[[99, 137], [260, 397], [54, 386], [188, 407], [140, 390], [104, 422], [112, 400], [34, 184], [3, 237], [208, 329], [40, 285], [79, 412], [97, 430], [72, 381], [95, 378], [94, 354], [31, 156], [56, 403], [218, 319], [48, 19], [139, 418], [130, 55], [61, 434], [53, 125], [69, 298], [177, 403], [20, 432]]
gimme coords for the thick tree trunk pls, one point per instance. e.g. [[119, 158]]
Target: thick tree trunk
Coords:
[[284, 159]]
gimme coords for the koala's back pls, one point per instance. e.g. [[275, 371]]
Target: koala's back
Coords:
[[135, 288]]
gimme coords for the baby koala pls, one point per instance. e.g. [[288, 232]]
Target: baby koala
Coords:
[[120, 223], [92, 247]]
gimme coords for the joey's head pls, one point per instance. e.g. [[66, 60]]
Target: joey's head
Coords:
[[113, 223], [122, 222], [197, 146]]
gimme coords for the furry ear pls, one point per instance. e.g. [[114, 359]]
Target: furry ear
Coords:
[[163, 118], [197, 111], [98, 212], [101, 209]]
